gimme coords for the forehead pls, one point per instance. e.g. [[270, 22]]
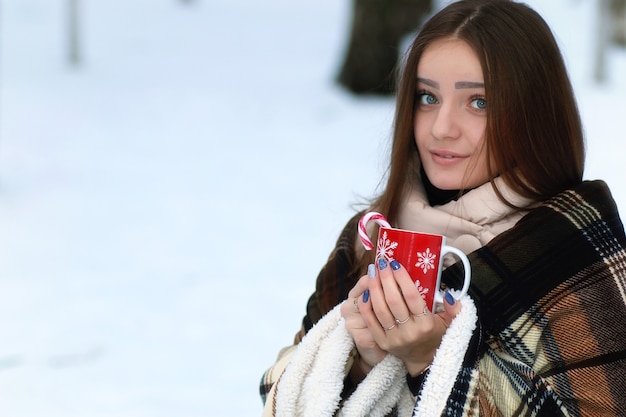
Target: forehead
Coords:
[[450, 57]]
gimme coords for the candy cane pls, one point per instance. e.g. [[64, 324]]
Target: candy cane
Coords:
[[378, 218]]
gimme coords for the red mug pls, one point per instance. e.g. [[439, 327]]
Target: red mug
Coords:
[[421, 254]]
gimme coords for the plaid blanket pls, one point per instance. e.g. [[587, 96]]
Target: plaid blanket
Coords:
[[551, 300]]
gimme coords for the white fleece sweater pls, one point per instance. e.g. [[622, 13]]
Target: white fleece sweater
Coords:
[[312, 381]]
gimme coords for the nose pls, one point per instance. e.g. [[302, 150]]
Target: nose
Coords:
[[446, 123]]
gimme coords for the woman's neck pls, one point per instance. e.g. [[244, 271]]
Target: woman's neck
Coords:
[[437, 196]]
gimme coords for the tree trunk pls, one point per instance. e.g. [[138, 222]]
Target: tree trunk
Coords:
[[73, 33], [618, 11], [602, 40], [378, 26]]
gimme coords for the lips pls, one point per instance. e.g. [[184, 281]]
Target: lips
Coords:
[[446, 157]]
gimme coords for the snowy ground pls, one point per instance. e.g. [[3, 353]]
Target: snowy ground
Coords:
[[165, 207]]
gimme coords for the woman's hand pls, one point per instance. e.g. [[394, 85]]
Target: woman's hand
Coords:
[[398, 320], [369, 351]]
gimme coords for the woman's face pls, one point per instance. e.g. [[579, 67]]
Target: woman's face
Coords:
[[451, 115]]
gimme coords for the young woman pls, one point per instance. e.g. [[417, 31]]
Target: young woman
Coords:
[[488, 150]]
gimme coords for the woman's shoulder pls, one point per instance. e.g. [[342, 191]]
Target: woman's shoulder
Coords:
[[590, 192], [584, 205]]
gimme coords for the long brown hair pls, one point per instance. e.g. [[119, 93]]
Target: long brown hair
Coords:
[[533, 137], [534, 134]]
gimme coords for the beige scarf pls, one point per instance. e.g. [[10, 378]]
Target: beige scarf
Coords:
[[469, 222]]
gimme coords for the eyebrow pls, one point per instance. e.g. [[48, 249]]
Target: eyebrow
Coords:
[[468, 84], [431, 83], [458, 85]]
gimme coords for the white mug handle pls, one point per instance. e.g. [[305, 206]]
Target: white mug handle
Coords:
[[466, 268]]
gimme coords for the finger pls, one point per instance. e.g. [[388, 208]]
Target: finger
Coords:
[[394, 295], [383, 316], [358, 289], [373, 298], [412, 298], [371, 321], [350, 306], [354, 321], [451, 306], [355, 296], [382, 290]]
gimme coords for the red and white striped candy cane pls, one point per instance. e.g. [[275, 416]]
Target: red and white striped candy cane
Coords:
[[367, 217]]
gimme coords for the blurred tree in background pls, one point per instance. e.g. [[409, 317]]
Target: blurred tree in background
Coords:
[[618, 11], [378, 27], [73, 52], [610, 31]]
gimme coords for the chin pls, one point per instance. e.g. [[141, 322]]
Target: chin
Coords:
[[446, 184]]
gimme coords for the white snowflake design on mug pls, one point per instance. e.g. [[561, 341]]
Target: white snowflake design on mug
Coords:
[[386, 247], [426, 260], [422, 290]]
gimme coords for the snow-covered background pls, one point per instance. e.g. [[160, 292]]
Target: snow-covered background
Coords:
[[166, 206]]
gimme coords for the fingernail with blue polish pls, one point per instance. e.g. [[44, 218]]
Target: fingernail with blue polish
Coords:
[[371, 271], [366, 296], [395, 265], [449, 298], [382, 264]]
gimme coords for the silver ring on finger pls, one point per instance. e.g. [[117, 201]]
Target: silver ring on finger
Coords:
[[403, 321], [389, 328], [423, 313]]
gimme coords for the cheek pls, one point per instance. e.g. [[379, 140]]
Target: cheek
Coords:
[[480, 173], [476, 136], [478, 129], [420, 130]]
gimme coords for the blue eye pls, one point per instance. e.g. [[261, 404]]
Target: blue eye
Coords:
[[426, 98], [479, 103]]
